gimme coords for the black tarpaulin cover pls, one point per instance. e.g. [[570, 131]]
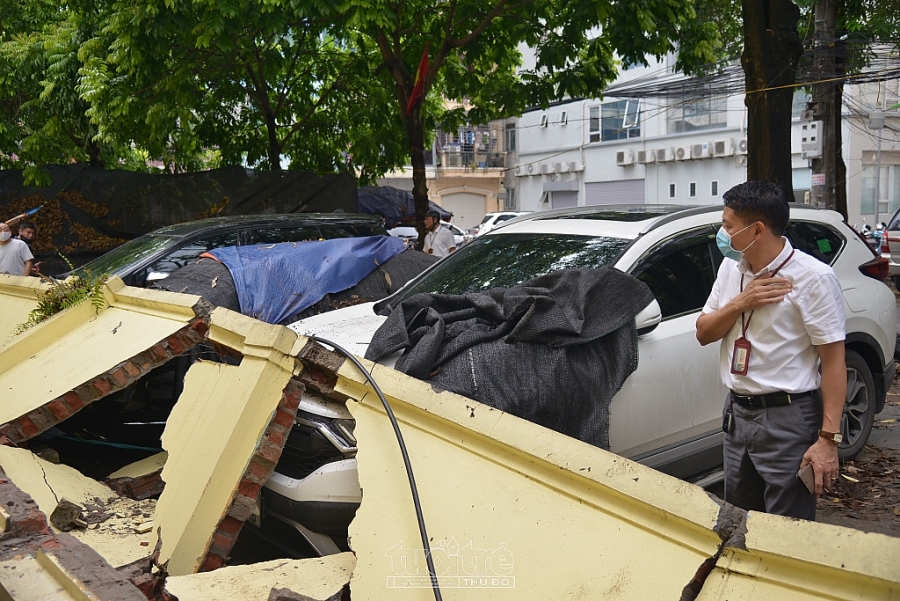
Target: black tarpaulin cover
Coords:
[[553, 350], [393, 204]]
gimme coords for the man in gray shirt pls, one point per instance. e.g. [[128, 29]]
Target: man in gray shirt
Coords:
[[15, 257]]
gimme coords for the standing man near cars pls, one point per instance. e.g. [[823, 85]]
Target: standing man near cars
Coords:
[[779, 313], [15, 257], [439, 241], [27, 232]]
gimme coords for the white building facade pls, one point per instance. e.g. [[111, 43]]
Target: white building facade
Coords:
[[687, 151]]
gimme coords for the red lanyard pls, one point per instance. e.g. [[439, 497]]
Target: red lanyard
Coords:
[[746, 325]]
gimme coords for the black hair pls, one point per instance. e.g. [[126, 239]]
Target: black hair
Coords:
[[760, 201], [433, 214], [24, 225]]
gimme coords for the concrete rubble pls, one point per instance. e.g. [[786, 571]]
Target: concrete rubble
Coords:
[[512, 509]]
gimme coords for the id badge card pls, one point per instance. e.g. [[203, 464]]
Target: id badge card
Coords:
[[740, 360]]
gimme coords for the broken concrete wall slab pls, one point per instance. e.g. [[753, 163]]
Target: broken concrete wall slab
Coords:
[[141, 479], [223, 439], [52, 370], [514, 509], [112, 521], [18, 297], [318, 579]]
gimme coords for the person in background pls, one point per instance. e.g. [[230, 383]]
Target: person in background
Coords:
[[15, 256], [27, 232], [439, 241]]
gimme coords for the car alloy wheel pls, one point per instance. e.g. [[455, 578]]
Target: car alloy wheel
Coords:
[[859, 409]]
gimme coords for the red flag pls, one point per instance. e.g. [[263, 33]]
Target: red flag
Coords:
[[418, 92]]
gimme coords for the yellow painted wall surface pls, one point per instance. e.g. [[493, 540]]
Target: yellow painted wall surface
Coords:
[[315, 578], [77, 345], [210, 437], [520, 512], [18, 296], [144, 467], [515, 511], [115, 539]]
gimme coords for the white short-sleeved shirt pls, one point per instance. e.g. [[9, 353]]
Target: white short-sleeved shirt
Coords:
[[13, 257], [783, 335], [440, 241]]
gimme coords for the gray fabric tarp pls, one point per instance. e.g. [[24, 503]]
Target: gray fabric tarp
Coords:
[[553, 350]]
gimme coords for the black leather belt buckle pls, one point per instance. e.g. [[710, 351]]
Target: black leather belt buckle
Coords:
[[762, 401]]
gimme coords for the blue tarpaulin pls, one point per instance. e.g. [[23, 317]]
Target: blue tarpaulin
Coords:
[[274, 282]]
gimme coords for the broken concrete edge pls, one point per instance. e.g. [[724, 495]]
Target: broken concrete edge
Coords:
[[259, 468], [138, 488], [119, 377], [283, 594], [75, 566], [320, 367]]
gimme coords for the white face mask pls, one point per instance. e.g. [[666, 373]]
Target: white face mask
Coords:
[[4, 236]]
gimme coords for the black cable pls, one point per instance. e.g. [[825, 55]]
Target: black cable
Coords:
[[435, 587]]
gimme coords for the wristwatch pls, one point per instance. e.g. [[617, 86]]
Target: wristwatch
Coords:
[[835, 437]]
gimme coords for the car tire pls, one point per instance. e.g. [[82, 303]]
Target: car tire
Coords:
[[859, 408]]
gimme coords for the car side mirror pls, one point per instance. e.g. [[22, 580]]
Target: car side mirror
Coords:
[[649, 317]]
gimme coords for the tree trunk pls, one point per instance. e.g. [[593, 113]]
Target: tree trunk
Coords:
[[274, 147], [772, 49], [415, 130], [94, 159], [827, 112]]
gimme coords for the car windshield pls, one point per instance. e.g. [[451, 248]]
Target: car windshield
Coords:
[[116, 261], [505, 260]]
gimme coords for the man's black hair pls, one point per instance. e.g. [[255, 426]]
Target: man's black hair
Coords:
[[760, 201], [433, 214], [24, 225]]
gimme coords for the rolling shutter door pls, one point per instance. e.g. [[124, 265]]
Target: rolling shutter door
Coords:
[[563, 199], [627, 191], [467, 208]]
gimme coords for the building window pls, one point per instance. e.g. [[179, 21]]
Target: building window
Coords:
[[692, 190], [510, 137], [889, 191], [618, 120], [714, 188], [800, 101], [671, 191], [509, 203], [697, 113]]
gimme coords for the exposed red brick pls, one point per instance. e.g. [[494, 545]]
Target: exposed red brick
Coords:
[[276, 436], [213, 562], [221, 544], [74, 401], [291, 402], [268, 452], [249, 489], [258, 471], [42, 419], [200, 327], [120, 377], [59, 409], [283, 418], [176, 344], [102, 386], [29, 430], [131, 369], [231, 525], [160, 351]]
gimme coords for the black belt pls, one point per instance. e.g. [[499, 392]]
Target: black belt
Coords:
[[772, 399]]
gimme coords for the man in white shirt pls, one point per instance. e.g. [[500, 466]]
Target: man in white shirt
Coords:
[[439, 241], [779, 313], [15, 257]]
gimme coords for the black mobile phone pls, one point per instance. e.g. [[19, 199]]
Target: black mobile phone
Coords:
[[727, 422], [807, 477]]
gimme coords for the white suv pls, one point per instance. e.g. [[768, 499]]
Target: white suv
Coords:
[[492, 220], [668, 414]]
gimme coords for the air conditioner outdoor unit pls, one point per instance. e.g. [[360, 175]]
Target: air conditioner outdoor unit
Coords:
[[576, 166], [646, 156], [741, 146], [531, 169], [547, 168], [521, 170], [683, 153], [664, 155], [624, 157], [723, 148], [701, 151], [811, 140], [453, 149], [562, 167], [545, 120]]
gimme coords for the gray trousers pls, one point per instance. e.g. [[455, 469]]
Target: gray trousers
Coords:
[[762, 455]]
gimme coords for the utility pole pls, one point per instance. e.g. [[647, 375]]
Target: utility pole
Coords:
[[824, 102]]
